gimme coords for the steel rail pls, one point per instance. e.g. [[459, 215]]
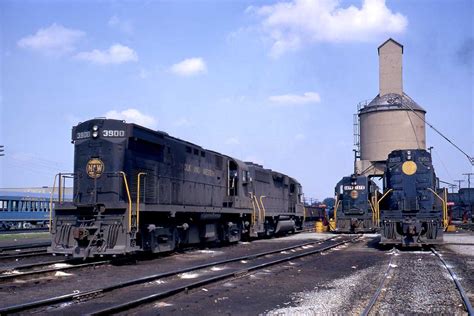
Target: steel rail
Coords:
[[76, 296], [7, 277], [24, 255], [25, 246], [465, 299], [31, 265], [153, 297], [378, 291], [23, 231]]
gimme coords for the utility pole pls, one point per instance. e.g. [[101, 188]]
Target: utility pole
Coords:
[[459, 183], [452, 186], [2, 150], [469, 174]]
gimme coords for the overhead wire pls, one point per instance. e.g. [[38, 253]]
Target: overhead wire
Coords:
[[471, 159], [444, 166]]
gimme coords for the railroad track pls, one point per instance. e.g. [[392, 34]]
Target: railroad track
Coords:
[[24, 231], [466, 226], [150, 288], [465, 299], [24, 246], [23, 251], [45, 269], [386, 279], [380, 286]]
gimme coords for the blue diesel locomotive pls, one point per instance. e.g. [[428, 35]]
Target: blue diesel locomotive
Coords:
[[413, 212], [354, 209]]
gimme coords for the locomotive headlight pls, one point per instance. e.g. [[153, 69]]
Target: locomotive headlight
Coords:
[[95, 128], [95, 134]]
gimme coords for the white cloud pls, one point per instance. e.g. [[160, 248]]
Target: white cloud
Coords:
[[125, 26], [189, 67], [53, 40], [133, 116], [232, 141], [116, 54], [291, 25], [295, 99]]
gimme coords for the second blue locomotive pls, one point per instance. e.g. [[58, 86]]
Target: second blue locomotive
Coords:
[[354, 211]]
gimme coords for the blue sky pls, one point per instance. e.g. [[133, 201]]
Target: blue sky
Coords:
[[268, 81]]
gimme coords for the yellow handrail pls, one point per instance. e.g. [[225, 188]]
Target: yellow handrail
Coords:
[[373, 211], [259, 209], [446, 223], [51, 204], [254, 213], [263, 206], [378, 204], [138, 196], [445, 208], [336, 206], [129, 201]]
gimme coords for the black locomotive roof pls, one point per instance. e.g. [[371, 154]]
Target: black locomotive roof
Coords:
[[154, 136]]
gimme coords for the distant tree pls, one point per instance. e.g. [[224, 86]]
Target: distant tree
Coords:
[[329, 201]]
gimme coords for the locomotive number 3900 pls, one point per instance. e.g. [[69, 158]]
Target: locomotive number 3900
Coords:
[[113, 133]]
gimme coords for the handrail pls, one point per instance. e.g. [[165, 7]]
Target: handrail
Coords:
[[129, 201], [378, 204], [377, 223], [373, 212], [445, 208], [60, 188], [138, 196], [259, 209], [254, 212], [263, 206], [51, 204], [336, 206]]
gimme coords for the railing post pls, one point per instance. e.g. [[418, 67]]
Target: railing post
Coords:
[[263, 207], [59, 188], [259, 209], [378, 205], [444, 205]]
